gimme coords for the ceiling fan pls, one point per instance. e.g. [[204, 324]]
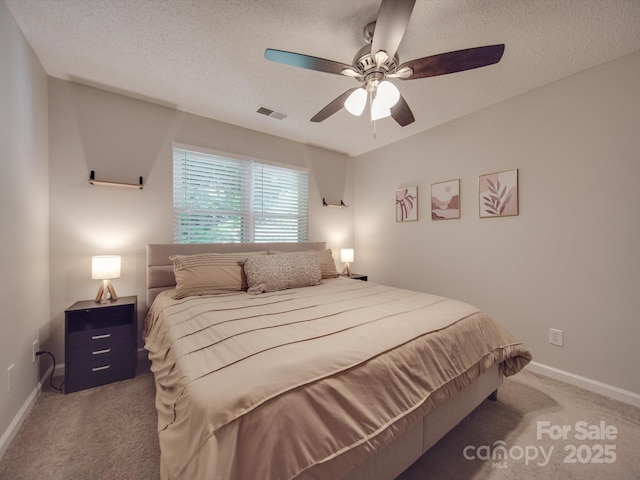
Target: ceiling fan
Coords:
[[378, 61]]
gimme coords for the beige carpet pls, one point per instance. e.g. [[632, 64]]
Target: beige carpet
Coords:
[[106, 433], [523, 401], [109, 433]]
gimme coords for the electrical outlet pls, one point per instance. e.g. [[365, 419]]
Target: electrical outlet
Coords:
[[556, 337], [10, 378], [35, 345]]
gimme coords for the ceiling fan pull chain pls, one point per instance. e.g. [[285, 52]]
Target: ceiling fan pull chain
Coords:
[[372, 122]]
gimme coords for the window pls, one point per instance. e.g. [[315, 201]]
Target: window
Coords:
[[219, 199]]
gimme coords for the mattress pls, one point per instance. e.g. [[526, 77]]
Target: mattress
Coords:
[[269, 386]]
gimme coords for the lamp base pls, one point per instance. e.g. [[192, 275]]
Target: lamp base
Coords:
[[105, 292], [347, 269]]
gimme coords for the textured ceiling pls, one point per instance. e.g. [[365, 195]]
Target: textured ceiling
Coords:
[[207, 56]]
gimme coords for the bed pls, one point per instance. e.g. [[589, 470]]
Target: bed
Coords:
[[317, 377]]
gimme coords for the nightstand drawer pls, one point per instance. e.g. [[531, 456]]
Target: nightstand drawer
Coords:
[[100, 337], [93, 374], [98, 368], [100, 351]]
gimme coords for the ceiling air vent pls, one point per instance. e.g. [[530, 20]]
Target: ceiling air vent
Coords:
[[270, 113]]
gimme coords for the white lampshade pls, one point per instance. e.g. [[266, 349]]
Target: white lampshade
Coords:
[[104, 267], [346, 255], [387, 93], [356, 102], [379, 110]]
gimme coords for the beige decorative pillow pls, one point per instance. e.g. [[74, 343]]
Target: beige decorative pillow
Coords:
[[325, 257], [210, 273], [271, 273], [327, 263]]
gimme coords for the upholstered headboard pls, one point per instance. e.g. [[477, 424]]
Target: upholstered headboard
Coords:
[[160, 268]]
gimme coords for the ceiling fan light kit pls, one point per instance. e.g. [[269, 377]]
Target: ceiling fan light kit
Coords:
[[378, 61], [356, 102], [383, 96], [379, 111]]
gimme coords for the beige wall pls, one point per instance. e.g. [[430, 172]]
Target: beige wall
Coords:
[[24, 200], [121, 139], [569, 260]]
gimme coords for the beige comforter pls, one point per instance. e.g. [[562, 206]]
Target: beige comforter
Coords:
[[265, 387]]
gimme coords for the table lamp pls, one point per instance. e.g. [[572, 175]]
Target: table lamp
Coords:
[[105, 267], [346, 256]]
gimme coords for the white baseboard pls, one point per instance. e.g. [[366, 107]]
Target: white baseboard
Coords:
[[610, 391], [27, 406]]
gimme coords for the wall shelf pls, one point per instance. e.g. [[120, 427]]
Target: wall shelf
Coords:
[[102, 183], [334, 205]]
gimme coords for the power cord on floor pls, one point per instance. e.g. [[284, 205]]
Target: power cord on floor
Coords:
[[52, 370]]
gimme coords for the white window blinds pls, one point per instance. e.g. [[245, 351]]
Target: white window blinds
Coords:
[[217, 199]]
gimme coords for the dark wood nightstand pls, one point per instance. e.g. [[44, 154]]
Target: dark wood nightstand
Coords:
[[357, 276], [100, 343]]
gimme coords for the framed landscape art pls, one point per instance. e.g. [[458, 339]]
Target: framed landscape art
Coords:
[[445, 200], [498, 194]]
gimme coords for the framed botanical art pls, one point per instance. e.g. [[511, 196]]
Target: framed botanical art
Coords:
[[445, 200], [498, 194], [407, 204]]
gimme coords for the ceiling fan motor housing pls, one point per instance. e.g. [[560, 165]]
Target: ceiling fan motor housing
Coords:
[[366, 63]]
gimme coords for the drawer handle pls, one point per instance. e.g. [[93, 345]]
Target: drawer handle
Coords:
[[100, 352], [97, 369], [100, 337]]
